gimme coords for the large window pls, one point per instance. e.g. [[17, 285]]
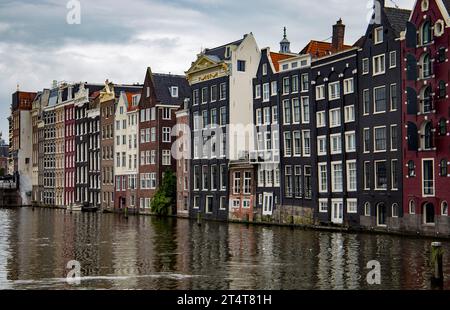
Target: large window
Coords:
[[380, 139], [426, 69], [380, 175], [305, 110], [366, 102], [323, 178], [379, 64], [306, 142], [335, 118], [428, 177], [393, 97], [350, 142], [336, 174], [425, 33], [286, 112], [287, 143], [296, 111], [351, 176], [334, 91], [379, 96], [336, 143], [288, 181]]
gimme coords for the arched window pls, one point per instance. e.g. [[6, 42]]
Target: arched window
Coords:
[[428, 213], [443, 168], [427, 136], [426, 66], [367, 209], [411, 169], [444, 208], [412, 207], [426, 33], [426, 100], [395, 210], [442, 89], [443, 127]]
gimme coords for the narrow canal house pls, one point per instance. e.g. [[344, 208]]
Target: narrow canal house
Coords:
[[426, 147], [50, 148], [82, 122], [221, 118], [60, 144], [379, 116], [69, 146], [162, 95], [93, 119], [126, 151], [334, 100], [182, 132]]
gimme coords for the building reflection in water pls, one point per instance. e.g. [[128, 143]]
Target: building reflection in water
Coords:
[[153, 253]]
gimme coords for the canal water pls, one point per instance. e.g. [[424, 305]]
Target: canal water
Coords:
[[151, 253]]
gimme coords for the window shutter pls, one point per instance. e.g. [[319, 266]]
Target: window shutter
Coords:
[[411, 67], [411, 95], [411, 35], [413, 139]]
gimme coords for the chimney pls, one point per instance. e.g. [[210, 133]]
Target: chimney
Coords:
[[338, 36]]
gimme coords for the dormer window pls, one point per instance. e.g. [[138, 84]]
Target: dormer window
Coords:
[[174, 91], [227, 52], [135, 100], [264, 69], [378, 35]]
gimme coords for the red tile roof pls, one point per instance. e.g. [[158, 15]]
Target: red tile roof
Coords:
[[319, 48], [130, 101], [277, 57]]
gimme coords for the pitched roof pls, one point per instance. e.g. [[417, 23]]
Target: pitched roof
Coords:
[[320, 48], [163, 84], [277, 57], [219, 52], [398, 18], [447, 4]]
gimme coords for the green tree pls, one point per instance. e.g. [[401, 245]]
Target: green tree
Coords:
[[166, 195]]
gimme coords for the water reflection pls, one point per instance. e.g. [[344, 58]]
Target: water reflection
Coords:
[[152, 253]]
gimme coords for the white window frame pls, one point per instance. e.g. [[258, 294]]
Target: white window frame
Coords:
[[385, 100], [393, 147], [347, 110], [323, 202], [324, 139], [382, 63], [338, 124], [339, 136], [258, 91], [349, 86], [333, 185], [320, 92], [375, 142], [378, 35], [323, 188], [347, 135], [423, 179], [375, 174], [365, 64], [353, 201], [266, 92], [323, 123], [349, 188], [337, 95], [394, 55]]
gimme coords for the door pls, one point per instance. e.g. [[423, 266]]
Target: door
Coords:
[[267, 204], [381, 214], [337, 212]]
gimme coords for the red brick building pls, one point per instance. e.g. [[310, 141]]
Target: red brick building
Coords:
[[182, 132], [426, 113]]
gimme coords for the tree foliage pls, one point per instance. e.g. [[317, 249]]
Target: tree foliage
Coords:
[[166, 195]]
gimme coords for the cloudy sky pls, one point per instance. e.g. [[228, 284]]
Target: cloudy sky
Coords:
[[119, 39]]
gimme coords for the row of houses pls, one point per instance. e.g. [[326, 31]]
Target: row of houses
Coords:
[[346, 135]]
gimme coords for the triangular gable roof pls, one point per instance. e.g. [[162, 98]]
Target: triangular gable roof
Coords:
[[203, 61], [444, 6]]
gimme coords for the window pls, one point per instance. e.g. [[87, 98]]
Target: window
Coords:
[[245, 203], [428, 177], [214, 178], [286, 86], [322, 145], [209, 204], [444, 208], [379, 64], [323, 205], [296, 111], [235, 204], [348, 86], [305, 82], [307, 182], [223, 116], [204, 95], [443, 167], [306, 143], [366, 102], [351, 176], [379, 95], [426, 66], [349, 113], [320, 92], [174, 91], [350, 142], [247, 183], [367, 175], [336, 144], [393, 59], [241, 65], [275, 114], [378, 35], [295, 84], [335, 118], [286, 112], [365, 66], [223, 177], [166, 158], [297, 143], [205, 178], [298, 181], [427, 136], [411, 169], [426, 102], [367, 209], [214, 93], [323, 178], [393, 97], [305, 110], [352, 206], [287, 143], [257, 91], [264, 69], [394, 174], [412, 207], [223, 91], [274, 88], [258, 117], [320, 119], [195, 97], [426, 34], [336, 173], [394, 137], [237, 183], [288, 181], [205, 119], [266, 92], [380, 175], [395, 210], [166, 135], [442, 90], [334, 91], [380, 139]]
